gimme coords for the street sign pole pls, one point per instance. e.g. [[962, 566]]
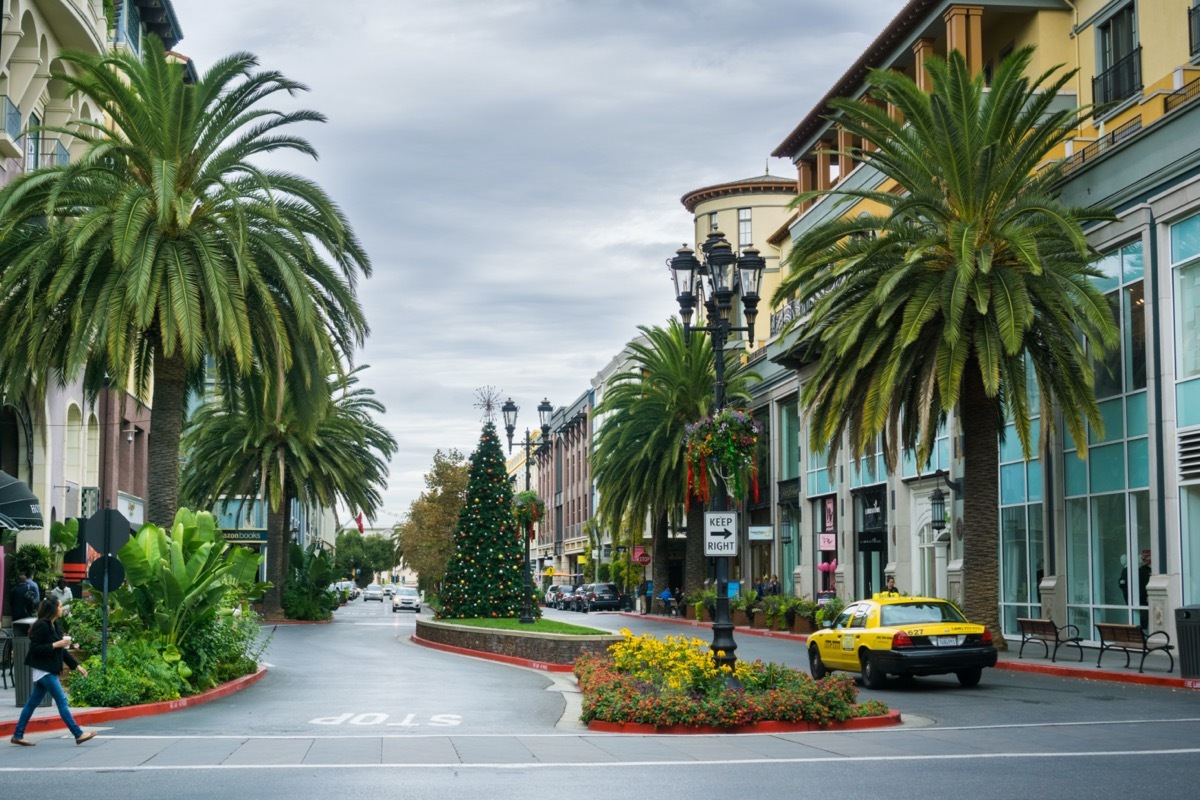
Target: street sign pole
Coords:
[[104, 606]]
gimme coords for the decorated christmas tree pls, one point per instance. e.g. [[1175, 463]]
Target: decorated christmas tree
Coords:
[[485, 573]]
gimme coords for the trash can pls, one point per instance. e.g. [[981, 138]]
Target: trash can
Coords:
[[1187, 628], [22, 674]]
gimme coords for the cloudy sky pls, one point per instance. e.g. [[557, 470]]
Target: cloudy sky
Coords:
[[514, 168]]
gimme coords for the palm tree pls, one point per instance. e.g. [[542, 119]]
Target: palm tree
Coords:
[[166, 242], [638, 462], [249, 442], [974, 271]]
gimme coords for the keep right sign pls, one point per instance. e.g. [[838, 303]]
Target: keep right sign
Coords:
[[720, 533]]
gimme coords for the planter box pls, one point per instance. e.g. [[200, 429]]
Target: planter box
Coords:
[[759, 620], [548, 648], [689, 612], [740, 618], [802, 625]]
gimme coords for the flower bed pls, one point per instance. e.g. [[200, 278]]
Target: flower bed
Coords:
[[674, 682]]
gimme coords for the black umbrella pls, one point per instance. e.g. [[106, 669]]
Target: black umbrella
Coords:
[[19, 507]]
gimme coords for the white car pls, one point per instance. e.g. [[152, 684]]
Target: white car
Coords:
[[373, 592], [406, 599]]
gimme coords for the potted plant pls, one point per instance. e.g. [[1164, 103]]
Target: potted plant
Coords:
[[726, 443], [772, 607], [528, 508], [829, 611], [802, 615], [706, 599], [743, 607]]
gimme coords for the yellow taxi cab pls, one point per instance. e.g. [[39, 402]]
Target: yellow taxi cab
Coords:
[[890, 634]]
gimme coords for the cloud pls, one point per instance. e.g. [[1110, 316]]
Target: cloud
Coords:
[[514, 168]]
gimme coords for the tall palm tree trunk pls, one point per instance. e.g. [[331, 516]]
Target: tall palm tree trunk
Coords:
[[660, 571], [694, 570], [276, 562], [162, 481], [981, 474]]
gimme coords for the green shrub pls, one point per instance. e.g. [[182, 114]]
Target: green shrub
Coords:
[[223, 648], [35, 561], [136, 673], [306, 592]]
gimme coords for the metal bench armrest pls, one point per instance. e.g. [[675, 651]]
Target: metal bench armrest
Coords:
[[1069, 631], [1166, 639]]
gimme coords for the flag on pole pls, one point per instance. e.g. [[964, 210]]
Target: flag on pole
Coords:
[[359, 520]]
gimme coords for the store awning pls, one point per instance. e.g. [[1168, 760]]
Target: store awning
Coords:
[[20, 509]]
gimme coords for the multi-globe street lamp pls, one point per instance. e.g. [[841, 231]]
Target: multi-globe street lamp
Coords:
[[509, 410], [714, 282]]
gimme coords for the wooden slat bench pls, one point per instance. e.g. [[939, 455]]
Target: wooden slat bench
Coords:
[[1131, 639], [1044, 631]]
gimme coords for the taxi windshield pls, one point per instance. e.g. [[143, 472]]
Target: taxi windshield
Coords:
[[918, 613]]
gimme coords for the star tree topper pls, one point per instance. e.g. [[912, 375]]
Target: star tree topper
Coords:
[[489, 401]]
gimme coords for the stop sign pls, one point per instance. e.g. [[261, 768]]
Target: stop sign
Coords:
[[644, 558]]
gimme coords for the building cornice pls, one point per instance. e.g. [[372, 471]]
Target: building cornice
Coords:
[[764, 184]]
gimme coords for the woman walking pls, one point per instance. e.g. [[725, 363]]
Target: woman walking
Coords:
[[47, 652]]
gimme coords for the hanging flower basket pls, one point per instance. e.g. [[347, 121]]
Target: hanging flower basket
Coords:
[[726, 443], [528, 508]]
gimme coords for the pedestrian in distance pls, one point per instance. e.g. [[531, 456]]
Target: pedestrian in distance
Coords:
[[773, 587], [890, 586], [37, 593], [22, 600], [64, 595], [48, 651]]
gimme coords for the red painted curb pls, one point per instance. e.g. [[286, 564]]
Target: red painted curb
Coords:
[[296, 621], [1094, 674], [520, 662], [858, 723], [98, 715]]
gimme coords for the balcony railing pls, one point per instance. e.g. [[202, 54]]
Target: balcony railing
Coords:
[[1194, 31], [1115, 136], [1120, 81], [796, 309], [12, 118], [1180, 96], [53, 153]]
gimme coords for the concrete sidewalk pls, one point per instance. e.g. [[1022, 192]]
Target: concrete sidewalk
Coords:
[[46, 717]]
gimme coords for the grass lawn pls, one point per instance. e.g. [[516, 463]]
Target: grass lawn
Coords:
[[539, 626]]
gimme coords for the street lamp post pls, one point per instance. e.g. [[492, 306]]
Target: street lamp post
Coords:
[[937, 500], [721, 275], [509, 410]]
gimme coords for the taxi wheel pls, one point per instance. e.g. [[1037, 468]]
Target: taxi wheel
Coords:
[[872, 678], [969, 678], [816, 667]]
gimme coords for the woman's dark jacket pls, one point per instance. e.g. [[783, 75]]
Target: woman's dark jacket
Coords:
[[43, 654]]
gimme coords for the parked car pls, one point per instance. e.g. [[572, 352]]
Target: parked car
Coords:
[[406, 599], [579, 598], [373, 592], [389, 590], [894, 635], [602, 596], [564, 597], [553, 592]]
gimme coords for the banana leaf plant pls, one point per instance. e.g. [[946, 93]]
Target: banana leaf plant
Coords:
[[64, 536], [176, 580]]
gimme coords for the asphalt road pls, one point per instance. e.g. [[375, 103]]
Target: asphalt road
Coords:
[[355, 709]]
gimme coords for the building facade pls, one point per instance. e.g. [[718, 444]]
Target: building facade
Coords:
[[76, 455], [1115, 538]]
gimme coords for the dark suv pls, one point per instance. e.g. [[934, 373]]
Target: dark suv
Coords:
[[601, 596]]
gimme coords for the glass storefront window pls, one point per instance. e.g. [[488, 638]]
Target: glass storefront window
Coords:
[[1189, 508]]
